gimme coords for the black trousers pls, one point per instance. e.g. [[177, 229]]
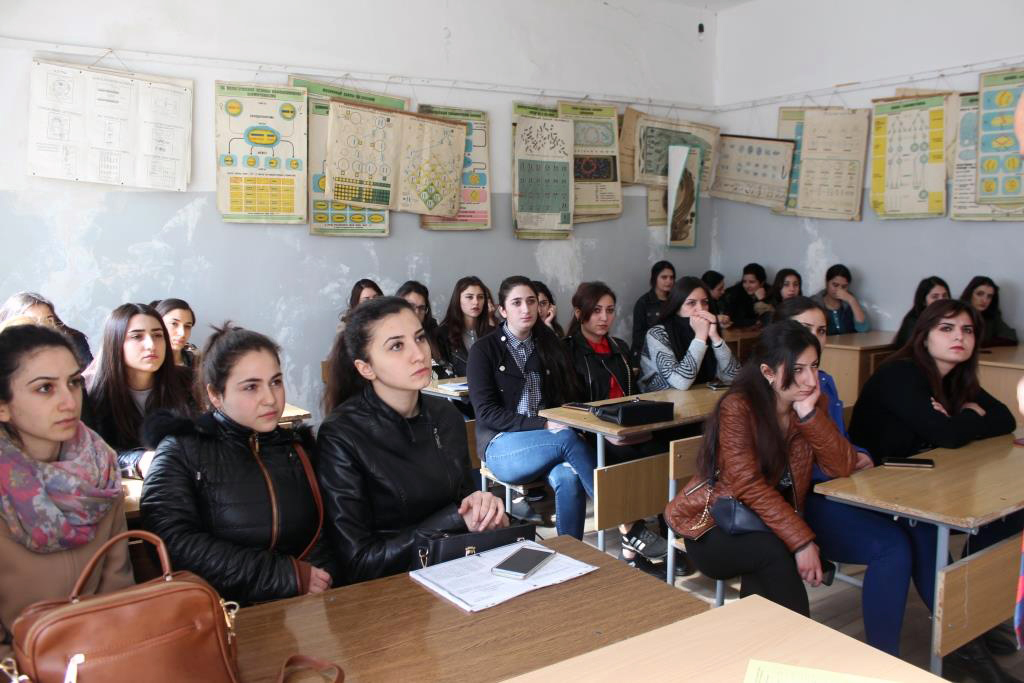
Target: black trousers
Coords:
[[763, 562]]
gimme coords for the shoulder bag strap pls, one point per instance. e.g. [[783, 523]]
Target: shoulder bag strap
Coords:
[[307, 467]]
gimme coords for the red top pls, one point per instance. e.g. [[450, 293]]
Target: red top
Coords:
[[604, 348]]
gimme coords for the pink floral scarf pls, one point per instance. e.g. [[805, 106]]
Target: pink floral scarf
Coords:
[[53, 506]]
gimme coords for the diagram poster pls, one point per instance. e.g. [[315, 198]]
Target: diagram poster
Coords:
[[598, 191], [791, 127], [543, 178], [963, 205], [111, 127], [908, 161], [832, 160], [683, 194], [627, 144], [999, 158], [653, 136], [261, 153], [523, 232], [329, 218], [657, 206], [753, 170], [475, 205]]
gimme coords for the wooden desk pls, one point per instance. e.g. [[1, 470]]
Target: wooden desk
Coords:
[[716, 646], [691, 406], [293, 415], [438, 387], [969, 487], [1000, 371], [741, 340], [393, 629], [852, 358]]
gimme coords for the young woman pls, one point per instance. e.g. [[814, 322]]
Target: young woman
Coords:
[[362, 290], [929, 290], [419, 298], [788, 284], [676, 351], [38, 307], [179, 319], [392, 461], [983, 293], [60, 493], [231, 493], [134, 376], [716, 290], [648, 307], [515, 371], [845, 314], [466, 321], [546, 309], [746, 301], [759, 448]]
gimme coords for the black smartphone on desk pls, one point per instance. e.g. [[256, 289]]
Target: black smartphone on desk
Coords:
[[923, 463]]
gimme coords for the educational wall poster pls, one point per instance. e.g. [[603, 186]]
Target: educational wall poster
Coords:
[[652, 139], [832, 159], [380, 158], [542, 181], [753, 170], [683, 194], [627, 144], [328, 218], [598, 191], [261, 142], [524, 232], [111, 127], [963, 204], [475, 205], [908, 161], [791, 127], [1000, 176], [657, 206]]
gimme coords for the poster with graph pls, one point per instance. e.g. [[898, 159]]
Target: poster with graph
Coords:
[[1000, 179], [475, 205]]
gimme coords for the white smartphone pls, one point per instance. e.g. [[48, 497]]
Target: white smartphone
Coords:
[[522, 563]]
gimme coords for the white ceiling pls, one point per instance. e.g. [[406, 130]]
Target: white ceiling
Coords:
[[711, 5]]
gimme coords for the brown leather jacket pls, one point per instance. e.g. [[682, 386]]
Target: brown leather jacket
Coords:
[[815, 439]]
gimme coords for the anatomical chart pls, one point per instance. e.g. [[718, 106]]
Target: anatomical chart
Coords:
[[683, 194], [327, 217], [1000, 177], [542, 187], [908, 162], [261, 153], [598, 191], [963, 204], [652, 139], [753, 170], [832, 159], [475, 205]]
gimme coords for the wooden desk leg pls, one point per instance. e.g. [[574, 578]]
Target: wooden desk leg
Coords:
[[941, 559], [600, 463]]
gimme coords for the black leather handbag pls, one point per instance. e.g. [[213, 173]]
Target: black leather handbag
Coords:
[[630, 412], [733, 517], [433, 547]]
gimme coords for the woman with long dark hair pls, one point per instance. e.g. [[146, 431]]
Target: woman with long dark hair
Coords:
[[179, 319], [363, 290], [391, 461], [418, 296], [547, 311], [788, 284], [514, 372], [648, 306], [746, 302], [760, 445], [716, 291], [675, 354], [466, 321], [929, 290], [983, 293], [845, 314], [135, 375]]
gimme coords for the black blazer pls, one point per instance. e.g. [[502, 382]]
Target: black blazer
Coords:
[[594, 371], [645, 314]]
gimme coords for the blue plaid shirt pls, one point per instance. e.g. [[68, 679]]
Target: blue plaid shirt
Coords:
[[529, 402]]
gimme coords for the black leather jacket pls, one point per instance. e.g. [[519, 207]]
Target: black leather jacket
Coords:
[[233, 506], [594, 371], [384, 477]]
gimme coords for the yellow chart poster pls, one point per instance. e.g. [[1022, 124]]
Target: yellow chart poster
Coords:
[[261, 153]]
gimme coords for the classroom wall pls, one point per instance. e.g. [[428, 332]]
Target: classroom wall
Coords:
[[783, 46], [90, 248]]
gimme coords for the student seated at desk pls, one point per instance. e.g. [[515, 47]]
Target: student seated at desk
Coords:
[[418, 297], [38, 307], [648, 306], [983, 293], [134, 376], [179, 319], [362, 290], [746, 301], [929, 290], [759, 447], [788, 284], [391, 460], [546, 309], [716, 290], [845, 314], [60, 492], [514, 372], [231, 493], [676, 354], [465, 322]]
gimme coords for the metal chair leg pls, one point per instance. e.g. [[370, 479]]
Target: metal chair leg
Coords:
[[719, 593]]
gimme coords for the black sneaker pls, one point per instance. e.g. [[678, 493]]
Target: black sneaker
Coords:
[[640, 562], [535, 495], [521, 510], [683, 565], [643, 541]]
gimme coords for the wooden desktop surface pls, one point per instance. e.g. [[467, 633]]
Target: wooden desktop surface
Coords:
[[861, 341], [969, 486], [437, 388], [690, 406], [293, 414], [716, 646], [1003, 357], [394, 629], [733, 334]]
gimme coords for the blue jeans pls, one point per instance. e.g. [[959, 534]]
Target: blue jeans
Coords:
[[563, 457]]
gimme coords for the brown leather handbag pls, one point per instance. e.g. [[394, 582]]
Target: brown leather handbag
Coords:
[[172, 628]]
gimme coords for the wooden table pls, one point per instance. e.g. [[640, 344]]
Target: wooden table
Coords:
[[438, 387], [393, 629], [969, 487], [293, 415], [691, 406], [999, 371], [716, 646], [741, 340], [852, 358]]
